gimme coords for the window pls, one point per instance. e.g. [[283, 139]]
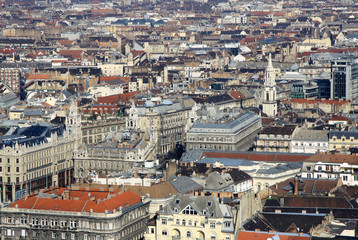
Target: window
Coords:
[[345, 178], [208, 204], [227, 237], [177, 201], [63, 235], [189, 211], [176, 210], [23, 220], [183, 222], [73, 224], [188, 234], [151, 230], [72, 236], [190, 223], [212, 225], [53, 235], [213, 236], [9, 220], [177, 222], [85, 237], [227, 224], [164, 221], [164, 232]]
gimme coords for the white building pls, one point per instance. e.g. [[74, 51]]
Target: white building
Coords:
[[269, 105], [309, 141]]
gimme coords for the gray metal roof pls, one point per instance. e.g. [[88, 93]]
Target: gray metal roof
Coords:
[[227, 161], [311, 135]]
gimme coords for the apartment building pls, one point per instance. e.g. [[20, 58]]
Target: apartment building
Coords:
[[11, 77], [38, 156], [233, 134], [275, 139], [63, 213], [168, 119], [193, 217]]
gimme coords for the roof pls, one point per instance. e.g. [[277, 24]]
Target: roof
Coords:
[[279, 130], [156, 191], [311, 186], [311, 135], [184, 184], [80, 200], [208, 206], [244, 235]]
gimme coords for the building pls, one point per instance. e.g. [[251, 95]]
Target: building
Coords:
[[11, 77], [344, 78], [343, 140], [269, 104], [332, 167], [38, 156], [63, 213], [167, 119], [117, 153], [193, 217], [233, 134], [275, 139], [309, 141]]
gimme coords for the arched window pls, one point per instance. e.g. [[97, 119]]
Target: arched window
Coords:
[[188, 234], [164, 232]]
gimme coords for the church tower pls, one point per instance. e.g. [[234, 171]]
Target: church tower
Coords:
[[269, 104]]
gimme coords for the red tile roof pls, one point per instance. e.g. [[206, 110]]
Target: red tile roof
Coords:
[[38, 76], [110, 78], [338, 118], [80, 200], [76, 54], [316, 101], [237, 95], [245, 235]]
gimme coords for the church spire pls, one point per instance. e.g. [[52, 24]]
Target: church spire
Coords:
[[270, 73], [269, 104]]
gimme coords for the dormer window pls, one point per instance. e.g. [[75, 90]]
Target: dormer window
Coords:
[[208, 204], [177, 201], [176, 210]]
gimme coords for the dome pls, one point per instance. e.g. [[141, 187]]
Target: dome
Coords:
[[167, 102]]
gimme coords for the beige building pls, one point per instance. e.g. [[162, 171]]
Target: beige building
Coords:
[[68, 214], [38, 156], [193, 217], [233, 135], [275, 139], [167, 120], [96, 131]]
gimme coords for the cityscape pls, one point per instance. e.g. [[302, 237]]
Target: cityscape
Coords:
[[178, 119]]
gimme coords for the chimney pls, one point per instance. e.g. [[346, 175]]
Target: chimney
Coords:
[[296, 186], [66, 194]]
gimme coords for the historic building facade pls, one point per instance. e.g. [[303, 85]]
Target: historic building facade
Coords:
[[193, 217], [89, 214], [38, 156], [236, 134], [167, 119]]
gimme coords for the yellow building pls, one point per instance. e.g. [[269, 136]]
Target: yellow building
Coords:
[[193, 217], [343, 140]]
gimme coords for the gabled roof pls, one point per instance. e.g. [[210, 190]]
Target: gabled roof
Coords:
[[256, 235]]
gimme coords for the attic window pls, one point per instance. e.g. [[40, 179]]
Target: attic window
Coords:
[[208, 204], [177, 201], [176, 210], [220, 183], [204, 212]]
